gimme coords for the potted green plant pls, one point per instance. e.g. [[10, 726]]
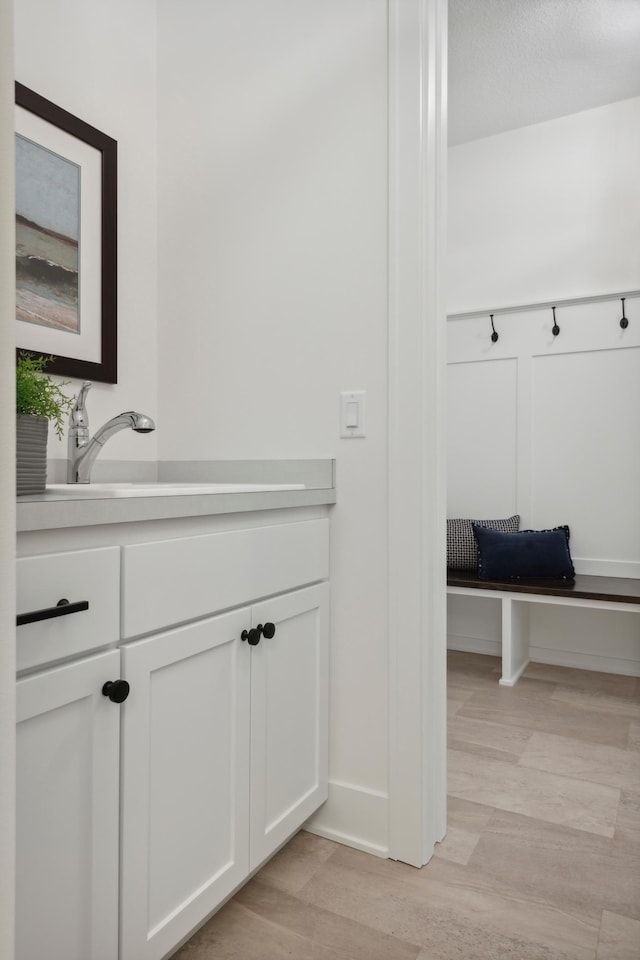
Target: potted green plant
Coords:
[[38, 400]]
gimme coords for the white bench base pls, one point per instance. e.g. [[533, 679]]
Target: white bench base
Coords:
[[515, 621]]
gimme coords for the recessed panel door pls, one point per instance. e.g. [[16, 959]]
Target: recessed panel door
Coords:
[[67, 813], [289, 711], [185, 780]]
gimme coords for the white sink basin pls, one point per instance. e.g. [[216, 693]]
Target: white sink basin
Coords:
[[102, 490]]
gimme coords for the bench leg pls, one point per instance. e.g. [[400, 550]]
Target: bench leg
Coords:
[[515, 640]]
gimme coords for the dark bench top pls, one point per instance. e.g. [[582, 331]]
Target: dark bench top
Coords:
[[584, 587]]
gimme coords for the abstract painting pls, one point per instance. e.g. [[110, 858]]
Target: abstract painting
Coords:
[[47, 237], [66, 240]]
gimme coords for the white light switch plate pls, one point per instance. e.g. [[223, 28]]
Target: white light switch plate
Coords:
[[352, 413]]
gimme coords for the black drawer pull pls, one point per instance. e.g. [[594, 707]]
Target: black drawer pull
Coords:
[[62, 609]]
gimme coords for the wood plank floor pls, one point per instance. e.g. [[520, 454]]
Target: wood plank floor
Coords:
[[541, 860]]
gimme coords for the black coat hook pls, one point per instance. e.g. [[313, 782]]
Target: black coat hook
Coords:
[[555, 329], [624, 323], [494, 335]]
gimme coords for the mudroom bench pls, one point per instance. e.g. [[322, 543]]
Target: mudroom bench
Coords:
[[601, 593]]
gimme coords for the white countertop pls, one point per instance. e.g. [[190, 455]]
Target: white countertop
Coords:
[[64, 505]]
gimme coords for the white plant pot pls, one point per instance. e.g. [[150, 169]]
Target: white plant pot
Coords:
[[31, 454]]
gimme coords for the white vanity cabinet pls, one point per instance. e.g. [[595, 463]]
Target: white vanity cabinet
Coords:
[[67, 813], [225, 731], [225, 754], [68, 745], [136, 821]]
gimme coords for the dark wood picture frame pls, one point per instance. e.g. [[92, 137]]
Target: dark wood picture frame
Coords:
[[105, 370]]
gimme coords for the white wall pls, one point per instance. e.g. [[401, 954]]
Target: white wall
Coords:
[[7, 490], [97, 60], [540, 425], [546, 211], [271, 279], [272, 299]]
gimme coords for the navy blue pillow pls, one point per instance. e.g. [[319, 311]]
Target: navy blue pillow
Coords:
[[529, 554]]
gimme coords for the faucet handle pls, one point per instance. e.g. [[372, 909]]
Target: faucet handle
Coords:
[[79, 416], [84, 390]]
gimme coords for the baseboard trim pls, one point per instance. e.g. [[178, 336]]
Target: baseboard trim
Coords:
[[559, 658], [585, 661], [354, 816], [347, 839], [491, 648]]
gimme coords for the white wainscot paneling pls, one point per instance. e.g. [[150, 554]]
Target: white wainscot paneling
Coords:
[[584, 328], [482, 439], [474, 624], [589, 639], [586, 455]]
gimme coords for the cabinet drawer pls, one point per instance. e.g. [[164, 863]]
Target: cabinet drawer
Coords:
[[89, 575], [172, 581]]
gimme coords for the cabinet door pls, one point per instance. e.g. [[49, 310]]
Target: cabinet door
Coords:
[[289, 709], [67, 813], [185, 780]]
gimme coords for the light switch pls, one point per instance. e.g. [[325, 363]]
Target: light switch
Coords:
[[352, 413]]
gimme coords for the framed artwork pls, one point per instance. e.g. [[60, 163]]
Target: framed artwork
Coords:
[[66, 240]]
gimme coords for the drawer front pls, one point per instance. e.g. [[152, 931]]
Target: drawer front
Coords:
[[80, 575], [173, 581]]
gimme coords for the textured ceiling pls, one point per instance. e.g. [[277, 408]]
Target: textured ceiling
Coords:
[[517, 62]]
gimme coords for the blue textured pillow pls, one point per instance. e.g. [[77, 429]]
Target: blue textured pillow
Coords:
[[528, 554]]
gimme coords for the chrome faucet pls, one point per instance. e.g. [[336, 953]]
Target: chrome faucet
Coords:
[[82, 450]]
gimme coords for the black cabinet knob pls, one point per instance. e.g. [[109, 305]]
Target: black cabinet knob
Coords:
[[253, 636], [116, 690]]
